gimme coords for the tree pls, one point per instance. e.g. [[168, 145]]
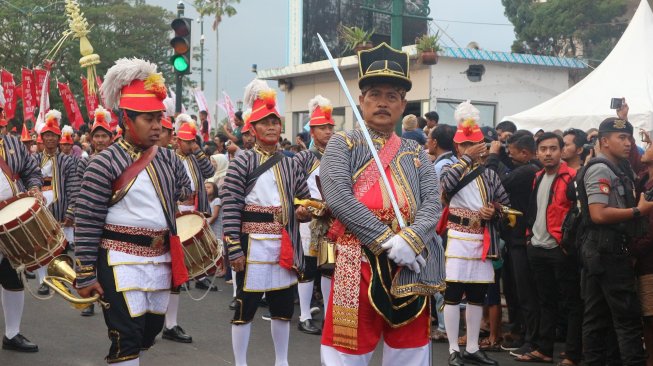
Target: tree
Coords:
[[218, 8], [119, 29], [571, 28]]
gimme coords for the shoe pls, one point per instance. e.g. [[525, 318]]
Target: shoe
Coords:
[[89, 311], [479, 357], [19, 343], [267, 317], [233, 305], [184, 286], [455, 359], [30, 275], [177, 334], [438, 336], [315, 310], [44, 290], [308, 327], [204, 284], [511, 345], [524, 349], [263, 303], [229, 282]]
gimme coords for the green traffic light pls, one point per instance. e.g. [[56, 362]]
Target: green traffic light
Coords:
[[180, 64]]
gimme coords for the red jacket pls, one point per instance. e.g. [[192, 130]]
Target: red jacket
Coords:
[[558, 205]]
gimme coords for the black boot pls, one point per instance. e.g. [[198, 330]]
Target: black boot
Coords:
[[204, 284], [233, 305], [455, 359], [44, 290], [308, 327], [89, 311], [479, 357], [177, 334], [19, 343]]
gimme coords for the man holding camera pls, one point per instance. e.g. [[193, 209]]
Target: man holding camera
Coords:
[[609, 285]]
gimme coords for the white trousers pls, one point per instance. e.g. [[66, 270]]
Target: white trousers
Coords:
[[419, 356]]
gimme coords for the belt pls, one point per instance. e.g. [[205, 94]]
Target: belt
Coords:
[[261, 220], [137, 236], [466, 221], [249, 216], [47, 182]]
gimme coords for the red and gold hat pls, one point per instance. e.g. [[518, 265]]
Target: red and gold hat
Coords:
[[262, 99], [39, 140], [468, 130], [167, 123], [246, 118], [24, 134], [66, 135], [117, 134], [102, 120], [52, 121], [186, 129], [321, 110], [134, 84]]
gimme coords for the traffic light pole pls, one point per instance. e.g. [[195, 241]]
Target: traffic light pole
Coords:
[[179, 91]]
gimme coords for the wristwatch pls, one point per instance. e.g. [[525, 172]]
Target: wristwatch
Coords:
[[636, 213]]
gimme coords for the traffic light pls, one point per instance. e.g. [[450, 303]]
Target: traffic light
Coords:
[[181, 45]]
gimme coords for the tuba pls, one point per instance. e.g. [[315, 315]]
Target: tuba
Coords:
[[61, 275]]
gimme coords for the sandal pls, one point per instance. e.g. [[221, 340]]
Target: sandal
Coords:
[[488, 346], [533, 357]]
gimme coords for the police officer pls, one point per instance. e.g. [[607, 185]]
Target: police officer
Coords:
[[608, 279]]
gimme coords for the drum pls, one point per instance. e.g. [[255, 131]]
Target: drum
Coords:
[[29, 234], [202, 251]]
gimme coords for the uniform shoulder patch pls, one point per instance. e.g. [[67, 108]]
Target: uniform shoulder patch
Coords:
[[604, 185]]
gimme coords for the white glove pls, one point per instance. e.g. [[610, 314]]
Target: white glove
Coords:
[[416, 266], [399, 251]]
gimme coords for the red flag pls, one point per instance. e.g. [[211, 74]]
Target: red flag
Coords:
[[92, 101], [72, 108], [114, 118], [40, 76], [29, 94], [10, 93]]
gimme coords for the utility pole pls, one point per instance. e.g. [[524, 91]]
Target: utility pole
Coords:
[[178, 76], [202, 54]]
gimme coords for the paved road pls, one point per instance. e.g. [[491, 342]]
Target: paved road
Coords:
[[65, 338]]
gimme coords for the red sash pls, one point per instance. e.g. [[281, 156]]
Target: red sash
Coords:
[[368, 179], [134, 169]]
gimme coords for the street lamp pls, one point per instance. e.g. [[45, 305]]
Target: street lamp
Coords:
[[29, 13], [239, 105]]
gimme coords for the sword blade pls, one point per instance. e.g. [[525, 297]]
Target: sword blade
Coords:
[[366, 133]]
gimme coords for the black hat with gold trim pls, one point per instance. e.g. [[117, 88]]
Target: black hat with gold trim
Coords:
[[613, 124], [383, 65]]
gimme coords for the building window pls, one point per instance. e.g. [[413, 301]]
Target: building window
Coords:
[[446, 108], [300, 119]]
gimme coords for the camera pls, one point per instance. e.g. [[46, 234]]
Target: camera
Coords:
[[503, 145], [616, 103], [590, 145]]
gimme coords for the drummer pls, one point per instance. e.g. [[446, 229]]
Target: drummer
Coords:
[[131, 266], [60, 183], [260, 227], [198, 167], [101, 138], [18, 170]]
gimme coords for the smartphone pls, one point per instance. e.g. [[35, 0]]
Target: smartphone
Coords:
[[616, 103]]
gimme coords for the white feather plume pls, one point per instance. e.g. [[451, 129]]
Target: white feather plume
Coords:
[[100, 110], [169, 103], [67, 130], [53, 113], [252, 90], [181, 119], [246, 114], [121, 74], [2, 97], [318, 101], [39, 126], [465, 111]]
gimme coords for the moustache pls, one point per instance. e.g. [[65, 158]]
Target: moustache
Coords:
[[382, 112]]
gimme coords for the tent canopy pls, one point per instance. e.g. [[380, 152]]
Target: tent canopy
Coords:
[[627, 72]]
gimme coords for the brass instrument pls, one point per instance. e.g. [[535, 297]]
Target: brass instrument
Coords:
[[314, 206], [511, 214], [61, 275]]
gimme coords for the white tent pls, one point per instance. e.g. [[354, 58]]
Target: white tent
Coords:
[[626, 72]]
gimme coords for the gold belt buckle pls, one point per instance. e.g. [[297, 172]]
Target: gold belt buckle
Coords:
[[475, 223], [158, 242]]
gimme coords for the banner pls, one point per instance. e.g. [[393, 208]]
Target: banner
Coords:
[[41, 75], [29, 94], [92, 101], [227, 106], [9, 86], [44, 92], [70, 104], [201, 105]]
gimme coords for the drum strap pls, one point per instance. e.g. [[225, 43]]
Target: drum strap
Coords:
[[134, 169]]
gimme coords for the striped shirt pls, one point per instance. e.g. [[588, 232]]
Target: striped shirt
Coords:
[[21, 163], [96, 192], [235, 189], [346, 156], [65, 182], [201, 169]]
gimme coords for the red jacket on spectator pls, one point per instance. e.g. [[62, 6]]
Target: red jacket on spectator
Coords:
[[559, 204]]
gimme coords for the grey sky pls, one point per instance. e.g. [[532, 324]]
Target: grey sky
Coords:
[[258, 34]]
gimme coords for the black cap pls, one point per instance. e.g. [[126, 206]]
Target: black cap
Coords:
[[383, 65], [614, 124], [489, 133]]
